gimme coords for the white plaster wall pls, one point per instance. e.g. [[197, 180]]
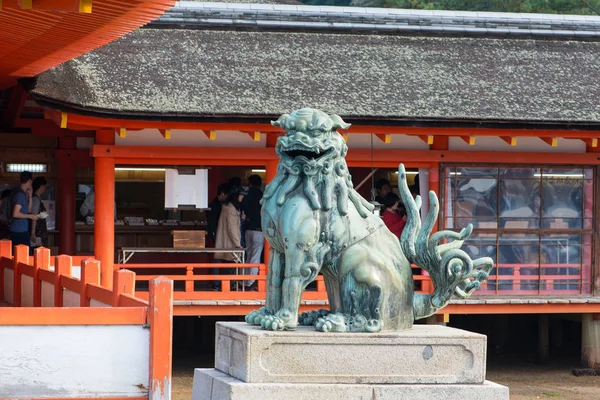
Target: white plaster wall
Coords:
[[74, 361], [189, 138], [402, 142], [524, 144], [26, 291], [71, 299], [47, 294], [96, 303], [8, 286], [76, 271]]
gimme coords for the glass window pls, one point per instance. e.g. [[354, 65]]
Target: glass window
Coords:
[[535, 222]]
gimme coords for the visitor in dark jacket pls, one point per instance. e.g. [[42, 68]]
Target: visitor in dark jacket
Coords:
[[255, 238]]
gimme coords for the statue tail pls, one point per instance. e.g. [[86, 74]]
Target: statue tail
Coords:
[[452, 271]]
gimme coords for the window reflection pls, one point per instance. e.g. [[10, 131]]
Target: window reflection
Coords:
[[549, 211]]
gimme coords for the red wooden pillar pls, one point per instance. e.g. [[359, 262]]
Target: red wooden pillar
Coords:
[[66, 198], [104, 210]]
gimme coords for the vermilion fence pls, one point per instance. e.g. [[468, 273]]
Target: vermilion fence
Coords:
[[68, 337], [193, 281]]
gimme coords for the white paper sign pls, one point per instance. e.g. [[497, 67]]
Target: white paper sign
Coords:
[[186, 190]]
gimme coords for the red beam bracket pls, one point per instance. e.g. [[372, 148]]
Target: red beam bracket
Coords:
[[510, 140], [166, 133], [385, 138], [427, 139], [470, 140], [550, 141]]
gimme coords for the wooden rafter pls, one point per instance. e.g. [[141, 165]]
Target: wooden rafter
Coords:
[[470, 140], [427, 139], [80, 6], [36, 35], [345, 136], [591, 142], [210, 134], [122, 132], [254, 135], [64, 118], [550, 141], [166, 133], [510, 140], [385, 138]]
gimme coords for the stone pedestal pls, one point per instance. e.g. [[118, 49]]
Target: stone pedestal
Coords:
[[425, 362]]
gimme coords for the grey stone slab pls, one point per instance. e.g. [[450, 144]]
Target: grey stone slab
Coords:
[[423, 354], [215, 385]]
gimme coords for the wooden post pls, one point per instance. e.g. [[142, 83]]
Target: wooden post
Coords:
[[21, 256], [5, 248], [123, 283], [5, 252], [189, 284], [41, 260], [262, 284], [590, 341], [90, 275], [160, 316], [104, 210], [62, 267], [66, 197]]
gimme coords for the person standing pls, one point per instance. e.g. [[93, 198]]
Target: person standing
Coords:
[[214, 212], [393, 217], [255, 238], [228, 229], [382, 186], [20, 205], [39, 228], [212, 219], [5, 212]]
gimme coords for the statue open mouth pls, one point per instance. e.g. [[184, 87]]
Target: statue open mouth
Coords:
[[311, 154]]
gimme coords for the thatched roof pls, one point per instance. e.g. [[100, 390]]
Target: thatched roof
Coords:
[[203, 73]]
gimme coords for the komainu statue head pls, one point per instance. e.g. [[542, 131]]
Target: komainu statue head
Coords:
[[316, 223]]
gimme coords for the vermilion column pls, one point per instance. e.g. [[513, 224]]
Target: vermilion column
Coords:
[[104, 210]]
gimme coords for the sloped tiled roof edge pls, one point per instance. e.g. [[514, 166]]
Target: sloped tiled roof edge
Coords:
[[229, 73], [378, 20]]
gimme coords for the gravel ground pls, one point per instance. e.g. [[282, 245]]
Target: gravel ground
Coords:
[[526, 380]]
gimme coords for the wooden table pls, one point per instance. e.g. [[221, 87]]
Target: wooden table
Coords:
[[125, 253]]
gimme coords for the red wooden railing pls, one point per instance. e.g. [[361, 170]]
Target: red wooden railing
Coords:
[[187, 274], [41, 296], [194, 281]]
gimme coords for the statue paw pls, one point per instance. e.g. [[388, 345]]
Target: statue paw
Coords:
[[255, 317], [310, 318], [332, 323], [360, 324], [281, 320], [272, 323]]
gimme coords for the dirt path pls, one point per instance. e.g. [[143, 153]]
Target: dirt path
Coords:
[[552, 381], [525, 380]]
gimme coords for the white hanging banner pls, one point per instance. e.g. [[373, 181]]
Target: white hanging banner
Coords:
[[186, 190]]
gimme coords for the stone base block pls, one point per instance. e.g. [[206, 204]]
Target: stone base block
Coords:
[[210, 384], [424, 354]]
